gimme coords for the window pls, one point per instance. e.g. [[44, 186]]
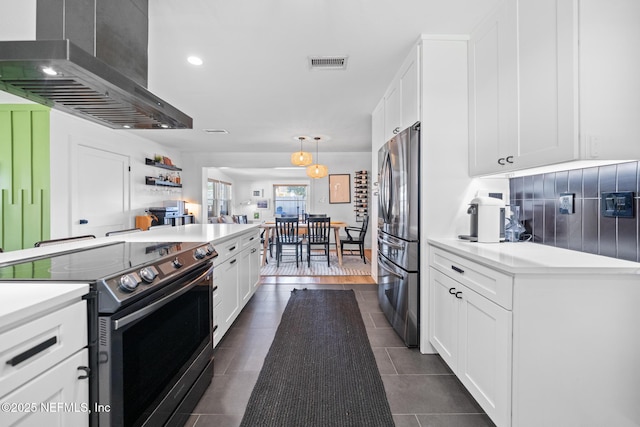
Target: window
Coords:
[[290, 199], [219, 196]]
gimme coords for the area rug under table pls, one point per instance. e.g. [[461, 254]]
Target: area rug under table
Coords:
[[320, 369], [351, 266]]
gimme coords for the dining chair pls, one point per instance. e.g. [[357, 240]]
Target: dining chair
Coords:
[[359, 240], [63, 240], [287, 235], [318, 235], [128, 230]]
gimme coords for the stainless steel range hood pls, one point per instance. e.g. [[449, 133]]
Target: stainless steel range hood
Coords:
[[84, 84]]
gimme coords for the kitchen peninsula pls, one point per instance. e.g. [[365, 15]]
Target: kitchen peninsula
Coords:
[[147, 284]]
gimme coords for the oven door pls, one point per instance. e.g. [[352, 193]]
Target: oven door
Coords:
[[155, 352], [398, 298]]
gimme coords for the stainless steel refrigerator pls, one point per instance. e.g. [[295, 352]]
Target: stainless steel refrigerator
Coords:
[[399, 233]]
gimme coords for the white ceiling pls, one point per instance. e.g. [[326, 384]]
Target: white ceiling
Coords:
[[255, 81]]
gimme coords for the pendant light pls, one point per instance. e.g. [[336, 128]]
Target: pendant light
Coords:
[[301, 158], [317, 171]]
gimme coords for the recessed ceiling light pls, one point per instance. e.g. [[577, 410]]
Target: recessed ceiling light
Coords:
[[164, 126], [49, 71], [194, 60], [126, 126], [220, 131]]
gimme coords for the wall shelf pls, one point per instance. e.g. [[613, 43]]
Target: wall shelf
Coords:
[[152, 180], [151, 162]]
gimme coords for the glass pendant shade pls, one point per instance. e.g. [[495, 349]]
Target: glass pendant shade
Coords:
[[317, 171], [301, 158]]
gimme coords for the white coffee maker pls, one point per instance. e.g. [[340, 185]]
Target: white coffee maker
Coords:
[[486, 220]]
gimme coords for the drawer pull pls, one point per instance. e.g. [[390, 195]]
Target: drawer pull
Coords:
[[215, 288], [452, 291], [458, 294], [232, 248], [233, 261], [457, 269], [253, 250], [32, 351], [252, 238], [86, 370]]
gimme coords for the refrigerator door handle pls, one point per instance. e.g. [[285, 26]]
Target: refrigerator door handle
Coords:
[[385, 192], [383, 265], [390, 244]]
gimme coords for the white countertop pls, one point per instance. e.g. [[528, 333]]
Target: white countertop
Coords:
[[214, 233], [21, 301], [535, 258]]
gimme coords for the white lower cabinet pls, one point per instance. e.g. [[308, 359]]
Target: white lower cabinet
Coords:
[[236, 275], [57, 398], [43, 370], [226, 278], [473, 335]]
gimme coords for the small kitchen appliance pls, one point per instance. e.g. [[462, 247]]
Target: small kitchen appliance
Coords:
[[486, 220]]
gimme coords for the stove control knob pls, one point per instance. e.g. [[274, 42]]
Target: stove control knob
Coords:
[[148, 274], [210, 249], [200, 253], [176, 263], [128, 283]]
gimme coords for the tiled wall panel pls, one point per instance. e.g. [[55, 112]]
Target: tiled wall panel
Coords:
[[585, 230], [24, 175]]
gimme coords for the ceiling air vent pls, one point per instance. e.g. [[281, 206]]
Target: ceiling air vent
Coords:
[[328, 62], [218, 131]]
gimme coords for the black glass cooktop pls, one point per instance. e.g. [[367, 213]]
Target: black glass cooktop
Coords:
[[92, 263]]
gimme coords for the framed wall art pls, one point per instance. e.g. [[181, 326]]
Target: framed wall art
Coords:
[[340, 188], [262, 203]]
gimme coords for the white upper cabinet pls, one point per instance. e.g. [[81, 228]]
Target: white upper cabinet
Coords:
[[552, 81], [402, 98]]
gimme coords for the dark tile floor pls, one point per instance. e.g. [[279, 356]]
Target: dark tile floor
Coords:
[[421, 389]]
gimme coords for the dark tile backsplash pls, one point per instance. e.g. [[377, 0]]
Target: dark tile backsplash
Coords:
[[585, 230]]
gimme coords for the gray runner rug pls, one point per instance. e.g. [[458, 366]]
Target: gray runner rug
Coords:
[[320, 370]]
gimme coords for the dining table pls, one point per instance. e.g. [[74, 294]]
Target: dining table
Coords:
[[270, 231]]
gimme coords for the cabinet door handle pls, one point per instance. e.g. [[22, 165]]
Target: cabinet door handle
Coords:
[[458, 294], [457, 269], [396, 131], [86, 370], [233, 261], [452, 291], [509, 159], [253, 250], [501, 161], [32, 351]]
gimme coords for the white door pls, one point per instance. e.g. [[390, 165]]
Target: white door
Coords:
[[100, 192]]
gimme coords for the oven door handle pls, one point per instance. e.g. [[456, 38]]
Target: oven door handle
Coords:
[[121, 323]]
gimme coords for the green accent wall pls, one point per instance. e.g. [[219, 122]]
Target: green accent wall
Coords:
[[24, 175]]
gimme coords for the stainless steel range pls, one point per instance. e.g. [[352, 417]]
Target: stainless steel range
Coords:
[[150, 322]]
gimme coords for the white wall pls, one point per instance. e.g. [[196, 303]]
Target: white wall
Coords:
[[18, 20], [67, 133]]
